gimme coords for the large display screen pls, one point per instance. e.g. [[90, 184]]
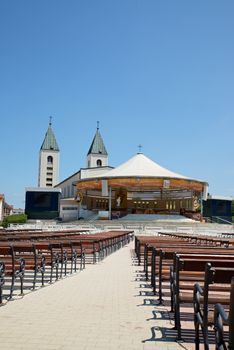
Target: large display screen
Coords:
[[42, 204]]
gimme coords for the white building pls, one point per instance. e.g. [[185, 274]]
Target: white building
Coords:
[[97, 163], [5, 209], [49, 160], [1, 206]]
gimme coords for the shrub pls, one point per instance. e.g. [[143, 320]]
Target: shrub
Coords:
[[14, 219]]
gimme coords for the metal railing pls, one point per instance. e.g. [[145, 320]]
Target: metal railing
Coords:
[[217, 220]]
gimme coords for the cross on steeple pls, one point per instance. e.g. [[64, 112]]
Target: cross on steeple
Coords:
[[98, 124], [50, 121], [140, 147]]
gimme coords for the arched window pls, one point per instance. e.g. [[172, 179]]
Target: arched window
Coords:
[[99, 162], [50, 159]]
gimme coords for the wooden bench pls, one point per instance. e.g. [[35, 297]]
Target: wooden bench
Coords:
[[186, 272], [162, 259], [204, 301], [14, 259], [35, 252], [221, 317]]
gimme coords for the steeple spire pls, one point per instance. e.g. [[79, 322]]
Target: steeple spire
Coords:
[[97, 155], [50, 142], [97, 146]]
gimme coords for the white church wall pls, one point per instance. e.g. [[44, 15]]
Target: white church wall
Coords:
[[93, 172], [93, 158], [68, 209], [68, 190], [46, 168]]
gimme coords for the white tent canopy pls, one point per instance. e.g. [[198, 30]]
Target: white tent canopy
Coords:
[[141, 166]]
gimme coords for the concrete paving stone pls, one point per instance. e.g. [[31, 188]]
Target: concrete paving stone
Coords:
[[99, 308]]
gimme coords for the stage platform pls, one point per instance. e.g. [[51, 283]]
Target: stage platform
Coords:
[[155, 217]]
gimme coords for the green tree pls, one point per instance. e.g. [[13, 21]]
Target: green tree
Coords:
[[14, 219]]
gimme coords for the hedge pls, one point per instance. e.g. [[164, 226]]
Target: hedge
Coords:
[[14, 219]]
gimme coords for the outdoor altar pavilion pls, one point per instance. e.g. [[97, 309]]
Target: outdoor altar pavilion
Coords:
[[140, 186]]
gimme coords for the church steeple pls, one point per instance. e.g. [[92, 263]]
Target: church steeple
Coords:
[[97, 155], [49, 160], [50, 142]]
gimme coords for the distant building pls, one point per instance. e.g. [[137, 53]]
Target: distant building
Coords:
[[5, 208], [18, 211], [1, 206], [69, 200], [140, 186], [49, 160], [42, 203], [218, 209], [97, 163]]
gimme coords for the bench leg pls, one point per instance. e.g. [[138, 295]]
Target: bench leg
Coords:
[[205, 337], [42, 277], [65, 259], [160, 299], [22, 284], [2, 280], [197, 338], [83, 258], [177, 319], [51, 273], [61, 269], [12, 286], [34, 278], [57, 270]]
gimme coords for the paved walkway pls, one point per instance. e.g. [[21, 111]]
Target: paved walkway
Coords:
[[103, 307]]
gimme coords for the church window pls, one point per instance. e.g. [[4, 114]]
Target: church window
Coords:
[[50, 159], [99, 162]]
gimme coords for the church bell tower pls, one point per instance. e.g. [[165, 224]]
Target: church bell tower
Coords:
[[97, 155], [49, 160]]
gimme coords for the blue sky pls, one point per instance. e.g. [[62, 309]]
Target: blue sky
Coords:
[[155, 72]]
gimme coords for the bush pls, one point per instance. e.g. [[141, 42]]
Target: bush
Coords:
[[14, 219]]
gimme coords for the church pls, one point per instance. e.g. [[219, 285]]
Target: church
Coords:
[[99, 191], [71, 206]]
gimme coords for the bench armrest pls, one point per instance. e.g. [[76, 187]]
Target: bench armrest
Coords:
[[220, 317], [197, 294]]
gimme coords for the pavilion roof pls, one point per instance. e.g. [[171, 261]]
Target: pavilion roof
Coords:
[[141, 166]]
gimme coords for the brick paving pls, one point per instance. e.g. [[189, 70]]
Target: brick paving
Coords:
[[107, 306]]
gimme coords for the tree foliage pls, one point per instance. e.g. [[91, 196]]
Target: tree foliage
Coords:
[[14, 219]]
